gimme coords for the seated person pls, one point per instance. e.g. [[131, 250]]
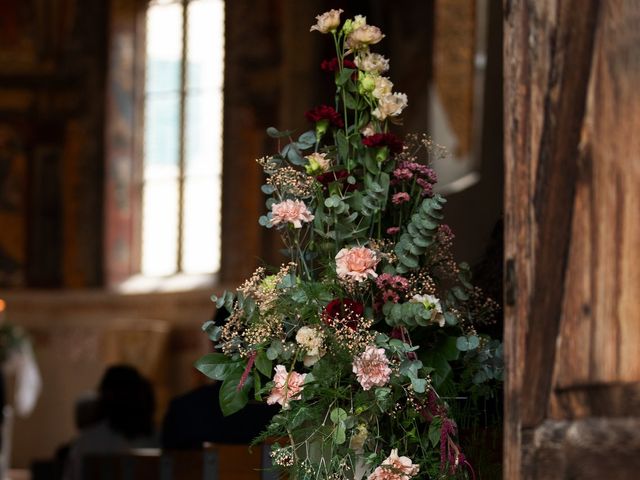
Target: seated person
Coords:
[[195, 418], [126, 406]]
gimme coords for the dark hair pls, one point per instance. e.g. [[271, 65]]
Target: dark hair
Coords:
[[127, 401]]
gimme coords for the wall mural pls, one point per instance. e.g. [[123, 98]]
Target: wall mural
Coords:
[[51, 119]]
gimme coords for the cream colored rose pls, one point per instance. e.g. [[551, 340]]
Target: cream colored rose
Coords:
[[318, 163], [327, 22], [312, 341], [372, 62], [368, 130], [359, 21], [364, 36], [390, 106], [431, 302], [382, 87], [358, 438]]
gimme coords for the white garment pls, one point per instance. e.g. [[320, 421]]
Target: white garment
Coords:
[[22, 364]]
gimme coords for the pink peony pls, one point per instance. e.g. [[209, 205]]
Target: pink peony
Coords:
[[357, 263], [395, 468], [372, 368], [290, 211], [288, 386]]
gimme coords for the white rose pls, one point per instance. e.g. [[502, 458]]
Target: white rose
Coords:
[[368, 130], [359, 21], [364, 36], [372, 62], [390, 106], [312, 341], [431, 302], [382, 87], [327, 22]]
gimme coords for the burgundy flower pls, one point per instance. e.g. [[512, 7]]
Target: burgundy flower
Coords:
[[333, 66], [346, 307], [338, 176], [427, 188], [384, 140], [325, 112], [403, 174], [390, 296], [400, 198]]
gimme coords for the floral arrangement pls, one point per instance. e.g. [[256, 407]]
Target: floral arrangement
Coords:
[[371, 333]]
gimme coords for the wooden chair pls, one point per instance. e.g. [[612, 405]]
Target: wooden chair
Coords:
[[214, 462], [133, 465]]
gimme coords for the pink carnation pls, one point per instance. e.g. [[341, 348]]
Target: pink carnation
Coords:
[[288, 386], [395, 468], [357, 263], [372, 368], [403, 174], [400, 198], [290, 211]]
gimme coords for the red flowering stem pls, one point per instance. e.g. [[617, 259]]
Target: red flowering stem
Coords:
[[247, 370], [470, 469]]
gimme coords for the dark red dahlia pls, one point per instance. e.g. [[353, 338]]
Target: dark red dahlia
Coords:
[[345, 308], [384, 140], [325, 112]]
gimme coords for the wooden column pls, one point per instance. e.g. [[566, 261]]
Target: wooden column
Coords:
[[251, 104], [572, 236]]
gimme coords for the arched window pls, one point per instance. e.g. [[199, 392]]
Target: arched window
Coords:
[[164, 139]]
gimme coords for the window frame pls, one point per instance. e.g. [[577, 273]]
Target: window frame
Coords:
[[124, 155]]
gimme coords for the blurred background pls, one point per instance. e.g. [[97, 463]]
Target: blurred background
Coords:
[[129, 191]]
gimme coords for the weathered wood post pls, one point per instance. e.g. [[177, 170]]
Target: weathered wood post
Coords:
[[572, 239]]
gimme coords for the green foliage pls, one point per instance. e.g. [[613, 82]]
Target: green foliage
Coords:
[[420, 234], [422, 321]]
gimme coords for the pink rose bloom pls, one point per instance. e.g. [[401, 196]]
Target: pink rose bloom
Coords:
[[288, 386], [400, 198], [395, 468], [357, 263], [372, 368], [290, 211]]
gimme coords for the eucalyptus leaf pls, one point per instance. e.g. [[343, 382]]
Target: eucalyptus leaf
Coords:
[[307, 139], [273, 132], [459, 293], [338, 415], [462, 344], [419, 384]]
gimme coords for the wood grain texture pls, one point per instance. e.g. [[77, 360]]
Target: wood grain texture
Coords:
[[572, 183]]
